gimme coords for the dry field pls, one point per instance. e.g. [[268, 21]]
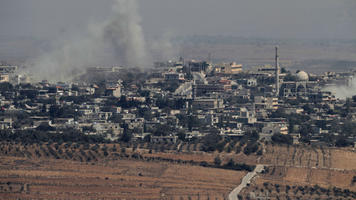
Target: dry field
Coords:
[[26, 175], [310, 157], [120, 179], [77, 171], [308, 167], [306, 176]]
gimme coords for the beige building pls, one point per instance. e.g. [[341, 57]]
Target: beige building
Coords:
[[229, 68], [207, 104], [275, 127], [266, 102], [6, 123], [233, 68], [4, 78]]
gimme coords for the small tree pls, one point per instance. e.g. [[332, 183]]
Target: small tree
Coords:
[[217, 161], [353, 180], [282, 139], [114, 148]]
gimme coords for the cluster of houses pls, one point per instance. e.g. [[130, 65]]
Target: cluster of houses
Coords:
[[179, 100]]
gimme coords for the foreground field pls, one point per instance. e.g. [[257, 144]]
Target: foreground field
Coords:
[[120, 179], [305, 173], [79, 171], [108, 171]]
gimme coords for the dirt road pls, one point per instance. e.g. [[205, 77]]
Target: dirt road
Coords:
[[246, 180]]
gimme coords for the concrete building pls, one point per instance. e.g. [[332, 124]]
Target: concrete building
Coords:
[[6, 123], [228, 68], [195, 66], [233, 68], [7, 74], [271, 128], [250, 82], [8, 69], [298, 88], [206, 89], [208, 104], [262, 102], [174, 76], [4, 78], [113, 89], [164, 139]]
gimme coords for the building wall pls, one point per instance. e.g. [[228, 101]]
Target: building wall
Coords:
[[4, 78], [208, 103]]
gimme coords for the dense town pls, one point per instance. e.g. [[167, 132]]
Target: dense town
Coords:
[[182, 101], [178, 100]]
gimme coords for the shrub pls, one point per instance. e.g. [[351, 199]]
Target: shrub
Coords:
[[86, 146], [204, 164], [210, 142], [95, 148], [238, 149], [251, 147], [104, 148], [114, 148], [354, 180], [282, 139], [237, 166], [217, 161]]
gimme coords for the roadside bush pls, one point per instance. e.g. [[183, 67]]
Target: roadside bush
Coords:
[[238, 166]]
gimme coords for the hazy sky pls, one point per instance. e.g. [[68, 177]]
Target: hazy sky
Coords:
[[255, 18]]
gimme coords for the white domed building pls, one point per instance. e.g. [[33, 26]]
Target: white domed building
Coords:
[[297, 88], [302, 76]]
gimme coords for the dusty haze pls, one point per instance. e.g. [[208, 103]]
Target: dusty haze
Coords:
[[86, 32], [118, 40], [256, 18]]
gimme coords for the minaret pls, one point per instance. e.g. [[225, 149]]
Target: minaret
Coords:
[[277, 72]]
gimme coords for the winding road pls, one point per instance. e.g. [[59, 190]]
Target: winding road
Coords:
[[245, 180]]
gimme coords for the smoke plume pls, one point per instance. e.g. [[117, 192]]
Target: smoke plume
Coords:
[[116, 41], [343, 91]]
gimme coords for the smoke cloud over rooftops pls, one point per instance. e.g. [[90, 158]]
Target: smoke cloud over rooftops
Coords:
[[116, 41], [85, 32]]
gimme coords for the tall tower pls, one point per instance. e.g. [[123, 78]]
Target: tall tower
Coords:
[[277, 72]]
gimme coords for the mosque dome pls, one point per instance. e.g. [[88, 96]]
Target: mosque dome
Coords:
[[302, 76]]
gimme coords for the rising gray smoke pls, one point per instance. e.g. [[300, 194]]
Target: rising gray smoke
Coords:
[[117, 41], [348, 18], [343, 91], [125, 34]]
